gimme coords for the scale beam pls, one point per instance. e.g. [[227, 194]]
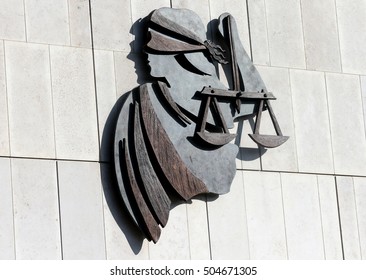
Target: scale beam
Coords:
[[237, 94]]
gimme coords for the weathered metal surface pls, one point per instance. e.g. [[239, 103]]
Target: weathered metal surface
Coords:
[[145, 218], [179, 176], [156, 195], [166, 94], [233, 61], [237, 94], [190, 26], [249, 78], [121, 132], [158, 120], [268, 141], [163, 43], [228, 29], [215, 139]]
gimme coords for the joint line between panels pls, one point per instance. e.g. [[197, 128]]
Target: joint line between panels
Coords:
[[59, 208], [339, 217], [94, 72], [321, 217], [208, 228], [249, 31]]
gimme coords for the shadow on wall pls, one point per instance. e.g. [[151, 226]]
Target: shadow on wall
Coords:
[[110, 187]]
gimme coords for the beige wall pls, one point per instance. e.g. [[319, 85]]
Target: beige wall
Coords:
[[61, 72]]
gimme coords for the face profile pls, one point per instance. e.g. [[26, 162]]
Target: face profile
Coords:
[[172, 138]]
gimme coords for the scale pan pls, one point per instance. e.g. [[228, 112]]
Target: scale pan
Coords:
[[216, 139], [268, 141]]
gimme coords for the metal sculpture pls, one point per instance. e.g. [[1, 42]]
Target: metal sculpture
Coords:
[[172, 137]]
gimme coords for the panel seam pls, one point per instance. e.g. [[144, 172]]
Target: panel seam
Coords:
[[208, 228], [246, 212], [363, 102], [356, 210], [339, 40], [293, 122], [94, 75], [266, 20], [249, 30], [68, 20], [97, 118], [329, 123], [7, 99], [284, 216], [25, 22], [339, 217], [321, 217], [303, 34], [59, 209], [52, 102], [13, 207]]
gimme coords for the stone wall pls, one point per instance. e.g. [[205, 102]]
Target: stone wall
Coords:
[[63, 64]]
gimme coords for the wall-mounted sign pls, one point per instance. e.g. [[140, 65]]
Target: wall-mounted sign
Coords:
[[172, 137]]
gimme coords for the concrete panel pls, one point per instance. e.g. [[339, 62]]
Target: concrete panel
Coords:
[[238, 9], [201, 8], [36, 209], [266, 225], [321, 35], [81, 210], [74, 103], [80, 31], [237, 141], [302, 217], [12, 22], [7, 249], [118, 246], [4, 123], [360, 196], [142, 8], [29, 100], [228, 223], [249, 154], [47, 21], [174, 240], [258, 31], [106, 96], [198, 229], [363, 89], [313, 139], [111, 24], [348, 218], [127, 70], [330, 218], [285, 35], [347, 124], [352, 35], [283, 158]]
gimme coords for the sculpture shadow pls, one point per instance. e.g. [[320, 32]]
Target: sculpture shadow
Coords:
[[109, 181], [247, 153]]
